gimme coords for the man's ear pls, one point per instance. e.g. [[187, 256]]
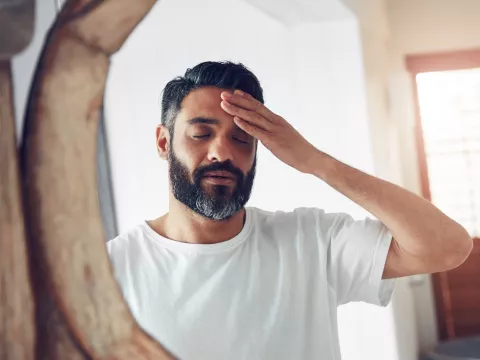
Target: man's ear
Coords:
[[163, 141]]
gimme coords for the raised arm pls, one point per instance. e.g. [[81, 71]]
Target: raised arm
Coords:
[[424, 239]]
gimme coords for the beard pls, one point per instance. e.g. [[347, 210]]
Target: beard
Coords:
[[221, 202]]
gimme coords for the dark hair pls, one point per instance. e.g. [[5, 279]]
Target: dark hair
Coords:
[[224, 75]]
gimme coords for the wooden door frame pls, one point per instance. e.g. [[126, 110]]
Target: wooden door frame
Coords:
[[416, 64]]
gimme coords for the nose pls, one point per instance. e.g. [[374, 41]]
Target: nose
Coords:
[[220, 150]]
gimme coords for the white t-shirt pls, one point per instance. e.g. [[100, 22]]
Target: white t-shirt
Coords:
[[269, 293]]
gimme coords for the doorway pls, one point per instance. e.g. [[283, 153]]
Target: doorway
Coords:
[[447, 97]]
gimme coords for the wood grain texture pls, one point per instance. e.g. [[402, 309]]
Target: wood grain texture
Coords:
[[443, 61], [79, 310], [464, 296], [17, 327]]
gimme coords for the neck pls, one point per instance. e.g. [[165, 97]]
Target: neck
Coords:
[[183, 224]]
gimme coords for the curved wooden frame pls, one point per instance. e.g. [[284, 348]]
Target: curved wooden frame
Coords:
[[67, 305]]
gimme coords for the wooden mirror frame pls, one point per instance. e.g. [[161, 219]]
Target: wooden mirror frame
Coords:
[[58, 295]]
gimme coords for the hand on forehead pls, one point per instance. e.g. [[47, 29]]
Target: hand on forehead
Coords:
[[205, 103]]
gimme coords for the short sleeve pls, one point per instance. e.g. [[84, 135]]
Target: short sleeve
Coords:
[[357, 255]]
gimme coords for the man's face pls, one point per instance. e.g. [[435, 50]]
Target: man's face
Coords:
[[211, 160]]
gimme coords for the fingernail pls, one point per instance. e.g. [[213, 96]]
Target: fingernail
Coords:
[[227, 95], [239, 92]]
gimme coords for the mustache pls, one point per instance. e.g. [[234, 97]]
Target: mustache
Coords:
[[223, 166]]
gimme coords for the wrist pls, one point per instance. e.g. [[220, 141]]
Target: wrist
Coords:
[[320, 164]]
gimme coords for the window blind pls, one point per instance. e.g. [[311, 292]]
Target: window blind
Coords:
[[450, 112]]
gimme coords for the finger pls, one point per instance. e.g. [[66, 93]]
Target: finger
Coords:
[[239, 101], [261, 108], [246, 101], [250, 116], [250, 129]]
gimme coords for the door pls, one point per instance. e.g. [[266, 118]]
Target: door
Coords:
[[447, 91]]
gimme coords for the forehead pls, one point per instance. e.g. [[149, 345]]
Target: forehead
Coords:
[[204, 102]]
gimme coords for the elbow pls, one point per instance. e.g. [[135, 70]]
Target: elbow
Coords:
[[461, 246]]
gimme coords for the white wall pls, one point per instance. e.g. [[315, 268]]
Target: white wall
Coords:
[[371, 16], [298, 12], [420, 26], [330, 102]]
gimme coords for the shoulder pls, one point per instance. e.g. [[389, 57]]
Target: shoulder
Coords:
[[129, 241], [307, 222], [301, 215], [299, 220]]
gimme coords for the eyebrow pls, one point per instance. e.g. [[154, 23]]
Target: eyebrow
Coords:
[[202, 120]]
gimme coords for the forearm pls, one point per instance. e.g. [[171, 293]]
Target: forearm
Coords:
[[418, 226]]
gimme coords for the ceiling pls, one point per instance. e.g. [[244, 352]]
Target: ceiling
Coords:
[[295, 12]]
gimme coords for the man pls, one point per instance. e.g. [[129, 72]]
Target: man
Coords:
[[213, 279]]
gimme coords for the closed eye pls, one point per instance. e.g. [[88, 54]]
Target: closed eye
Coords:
[[202, 137], [241, 141]]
